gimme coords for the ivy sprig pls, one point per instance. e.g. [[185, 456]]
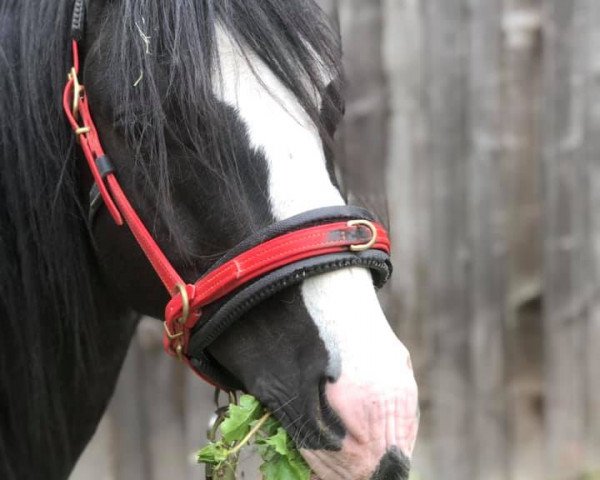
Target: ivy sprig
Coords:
[[248, 422]]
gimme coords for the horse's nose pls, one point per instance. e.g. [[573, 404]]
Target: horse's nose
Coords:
[[377, 405], [394, 465]]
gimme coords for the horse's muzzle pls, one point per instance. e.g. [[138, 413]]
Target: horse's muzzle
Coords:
[[379, 413]]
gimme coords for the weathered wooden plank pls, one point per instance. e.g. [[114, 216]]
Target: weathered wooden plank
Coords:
[[162, 404], [97, 460], [522, 157], [522, 34], [446, 53], [566, 268], [488, 240], [364, 130], [408, 174], [591, 43], [407, 167], [126, 416]]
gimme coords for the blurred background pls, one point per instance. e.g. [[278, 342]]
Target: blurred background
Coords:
[[474, 127]]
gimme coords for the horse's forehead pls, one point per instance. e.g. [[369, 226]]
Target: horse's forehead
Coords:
[[279, 127]]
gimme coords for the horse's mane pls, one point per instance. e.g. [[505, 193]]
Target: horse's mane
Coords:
[[168, 64], [47, 311], [51, 306]]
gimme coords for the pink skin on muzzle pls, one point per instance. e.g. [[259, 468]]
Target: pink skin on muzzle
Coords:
[[374, 420], [375, 394]]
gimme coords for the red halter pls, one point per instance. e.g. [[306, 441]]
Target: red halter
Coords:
[[184, 309]]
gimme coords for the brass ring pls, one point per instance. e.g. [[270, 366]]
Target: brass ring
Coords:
[[360, 247], [185, 302], [77, 88]]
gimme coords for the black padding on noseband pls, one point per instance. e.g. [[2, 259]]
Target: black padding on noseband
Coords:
[[78, 20], [216, 319]]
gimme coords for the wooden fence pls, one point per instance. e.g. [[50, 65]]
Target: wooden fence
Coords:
[[482, 119]]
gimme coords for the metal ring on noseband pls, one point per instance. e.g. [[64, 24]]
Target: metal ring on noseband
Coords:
[[364, 246], [185, 312], [185, 303]]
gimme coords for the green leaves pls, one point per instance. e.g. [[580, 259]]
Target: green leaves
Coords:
[[238, 422], [246, 421], [281, 459], [213, 453], [285, 468], [279, 442]]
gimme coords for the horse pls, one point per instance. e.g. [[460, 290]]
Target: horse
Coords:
[[218, 118]]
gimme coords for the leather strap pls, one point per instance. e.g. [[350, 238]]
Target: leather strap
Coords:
[[109, 187]]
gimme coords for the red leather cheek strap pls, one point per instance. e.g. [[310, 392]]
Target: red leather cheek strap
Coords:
[[109, 187], [168, 275]]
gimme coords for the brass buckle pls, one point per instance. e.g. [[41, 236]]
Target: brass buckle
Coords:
[[360, 247], [185, 312], [171, 336], [77, 89]]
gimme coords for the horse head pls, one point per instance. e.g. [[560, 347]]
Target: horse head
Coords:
[[218, 119], [215, 135]]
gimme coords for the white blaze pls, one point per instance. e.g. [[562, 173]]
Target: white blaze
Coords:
[[277, 125], [343, 304]]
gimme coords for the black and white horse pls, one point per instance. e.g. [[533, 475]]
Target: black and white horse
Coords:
[[218, 116]]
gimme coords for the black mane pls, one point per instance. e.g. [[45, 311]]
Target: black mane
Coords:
[[53, 313], [162, 90]]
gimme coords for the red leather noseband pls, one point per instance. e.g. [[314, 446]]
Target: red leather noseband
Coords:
[[266, 257], [322, 237]]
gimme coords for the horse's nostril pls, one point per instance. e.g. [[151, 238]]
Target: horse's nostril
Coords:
[[328, 417], [394, 465]]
